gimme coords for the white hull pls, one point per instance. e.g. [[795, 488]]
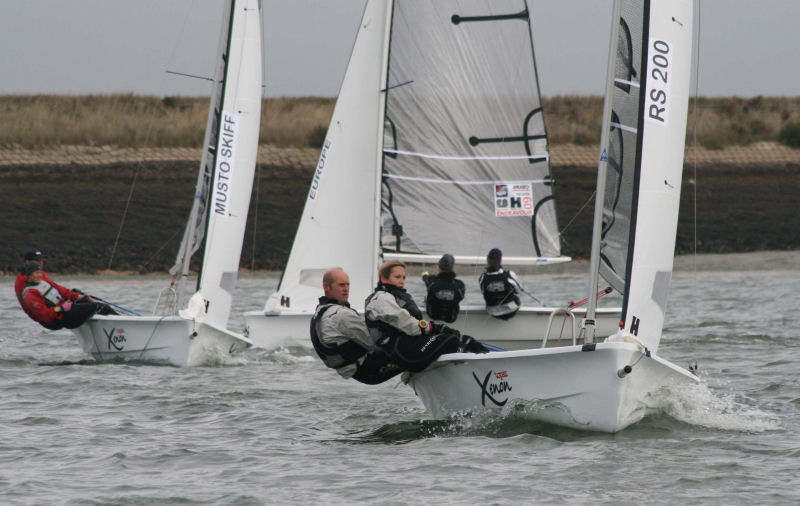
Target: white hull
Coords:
[[524, 331], [169, 339], [564, 386]]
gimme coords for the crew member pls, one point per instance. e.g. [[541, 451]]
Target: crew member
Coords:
[[500, 287], [397, 324], [340, 336], [52, 305], [444, 291], [19, 283]]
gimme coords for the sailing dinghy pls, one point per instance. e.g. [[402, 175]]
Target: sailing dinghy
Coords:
[[216, 225], [437, 144], [608, 385]]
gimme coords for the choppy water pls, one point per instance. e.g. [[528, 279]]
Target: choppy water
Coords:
[[277, 427]]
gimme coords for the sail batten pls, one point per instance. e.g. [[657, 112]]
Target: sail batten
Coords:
[[537, 158]]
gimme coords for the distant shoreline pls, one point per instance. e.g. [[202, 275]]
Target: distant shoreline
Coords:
[[69, 201], [561, 155]]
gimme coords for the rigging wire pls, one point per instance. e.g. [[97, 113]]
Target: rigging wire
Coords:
[[258, 173], [145, 143], [578, 213], [694, 148]]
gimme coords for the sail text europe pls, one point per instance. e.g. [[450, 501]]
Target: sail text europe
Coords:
[[223, 175], [323, 157]]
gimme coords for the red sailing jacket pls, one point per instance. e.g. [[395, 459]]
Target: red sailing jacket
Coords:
[[19, 283], [35, 305]]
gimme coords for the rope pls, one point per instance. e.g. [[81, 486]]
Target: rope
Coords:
[[114, 305], [575, 216], [694, 147], [144, 349]]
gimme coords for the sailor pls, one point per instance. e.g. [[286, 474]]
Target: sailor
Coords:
[[444, 291], [52, 305], [340, 336], [19, 283], [500, 288], [399, 329]]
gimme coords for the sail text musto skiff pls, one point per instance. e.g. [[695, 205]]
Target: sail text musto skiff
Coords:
[[216, 225]]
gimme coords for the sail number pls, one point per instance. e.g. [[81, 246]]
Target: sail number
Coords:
[[657, 99]]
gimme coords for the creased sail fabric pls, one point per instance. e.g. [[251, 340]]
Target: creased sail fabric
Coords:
[[466, 165], [623, 146]]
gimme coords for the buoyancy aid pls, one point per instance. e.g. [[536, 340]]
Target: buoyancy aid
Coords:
[[334, 355], [497, 289], [48, 291], [444, 294], [404, 300]]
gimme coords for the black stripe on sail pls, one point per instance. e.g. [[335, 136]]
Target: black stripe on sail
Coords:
[[625, 53], [388, 123], [456, 19], [638, 167], [533, 219], [397, 228]]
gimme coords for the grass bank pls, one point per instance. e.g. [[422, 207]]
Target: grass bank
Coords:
[[142, 121]]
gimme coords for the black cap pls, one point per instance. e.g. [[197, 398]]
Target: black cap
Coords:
[[447, 262], [32, 267], [495, 255], [34, 255]]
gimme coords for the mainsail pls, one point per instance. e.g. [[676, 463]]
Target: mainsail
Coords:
[[644, 152], [466, 164], [224, 183]]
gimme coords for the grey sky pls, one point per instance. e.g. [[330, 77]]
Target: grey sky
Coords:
[[747, 47]]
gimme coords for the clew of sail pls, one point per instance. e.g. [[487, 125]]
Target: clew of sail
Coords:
[[466, 164], [645, 158]]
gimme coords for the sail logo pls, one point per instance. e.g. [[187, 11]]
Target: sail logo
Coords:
[[116, 338], [658, 83], [223, 171], [513, 199], [492, 385], [323, 158]]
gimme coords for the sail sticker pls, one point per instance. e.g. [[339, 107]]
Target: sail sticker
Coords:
[[658, 82], [323, 158], [604, 155], [513, 199], [223, 173]]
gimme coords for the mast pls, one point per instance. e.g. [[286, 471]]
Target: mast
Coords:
[[384, 83], [602, 166]]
